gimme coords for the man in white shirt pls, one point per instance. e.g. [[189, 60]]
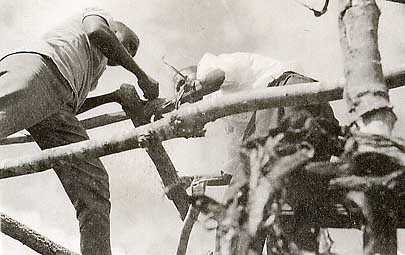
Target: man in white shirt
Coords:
[[43, 86], [247, 71], [243, 72]]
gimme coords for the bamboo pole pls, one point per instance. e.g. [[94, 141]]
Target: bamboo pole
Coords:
[[31, 238]]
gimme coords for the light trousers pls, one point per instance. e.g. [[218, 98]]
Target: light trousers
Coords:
[[35, 96]]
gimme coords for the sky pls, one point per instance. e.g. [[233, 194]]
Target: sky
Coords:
[[143, 220]]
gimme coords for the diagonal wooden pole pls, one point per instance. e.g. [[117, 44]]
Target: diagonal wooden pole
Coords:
[[192, 217], [31, 238], [131, 103]]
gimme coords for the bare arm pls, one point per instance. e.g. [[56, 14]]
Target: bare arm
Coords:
[[104, 38]]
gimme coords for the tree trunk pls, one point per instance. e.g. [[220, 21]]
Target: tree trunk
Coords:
[[370, 112], [365, 92]]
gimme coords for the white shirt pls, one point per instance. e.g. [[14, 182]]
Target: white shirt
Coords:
[[68, 45], [243, 71]]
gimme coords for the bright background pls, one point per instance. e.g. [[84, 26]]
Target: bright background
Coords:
[[143, 220]]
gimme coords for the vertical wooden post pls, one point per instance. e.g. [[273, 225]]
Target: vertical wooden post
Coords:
[[369, 110], [131, 103], [365, 92]]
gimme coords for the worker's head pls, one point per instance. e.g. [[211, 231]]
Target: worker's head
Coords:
[[190, 72], [127, 37]]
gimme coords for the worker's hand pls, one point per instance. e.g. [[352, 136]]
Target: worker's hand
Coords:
[[150, 87]]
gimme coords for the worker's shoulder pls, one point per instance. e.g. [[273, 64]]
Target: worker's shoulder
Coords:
[[97, 11], [72, 23], [93, 10], [78, 14]]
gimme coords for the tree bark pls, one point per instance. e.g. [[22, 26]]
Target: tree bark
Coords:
[[365, 92], [369, 110]]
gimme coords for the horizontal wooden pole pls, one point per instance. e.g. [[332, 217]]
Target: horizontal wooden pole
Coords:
[[103, 120], [209, 180], [200, 112], [393, 80], [90, 123], [179, 123]]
